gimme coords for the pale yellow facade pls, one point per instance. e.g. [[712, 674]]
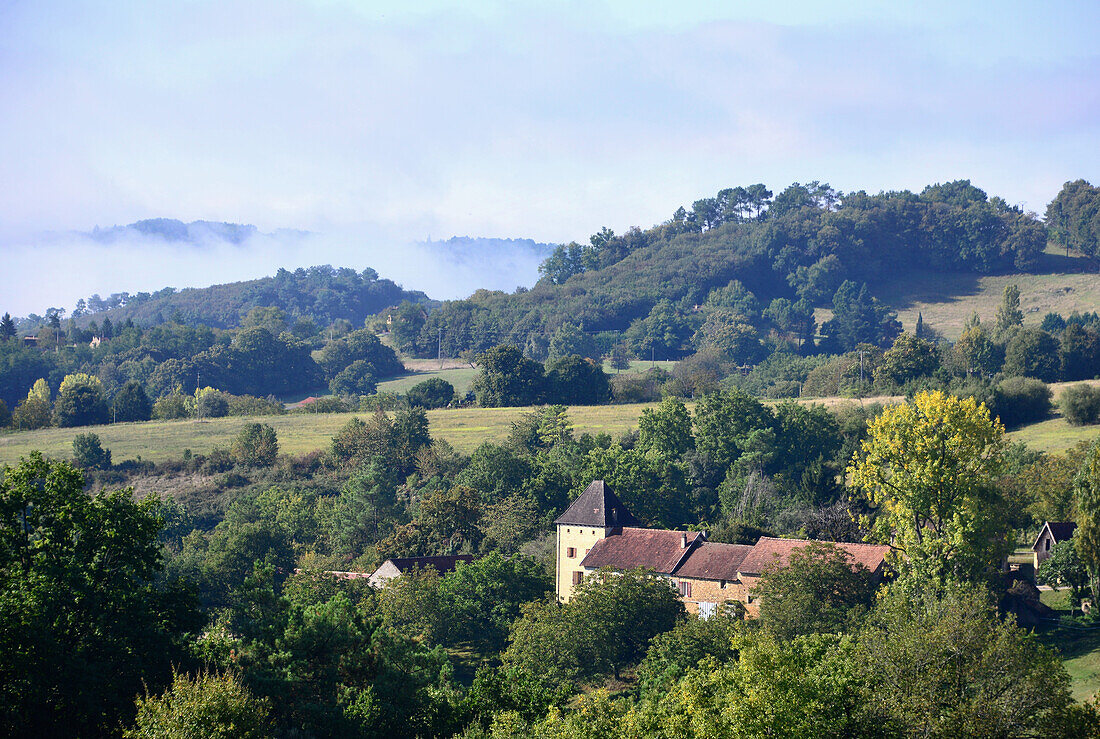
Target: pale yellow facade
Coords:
[[573, 543]]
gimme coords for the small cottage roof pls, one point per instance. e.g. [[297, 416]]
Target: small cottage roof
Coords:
[[658, 549], [598, 507], [441, 564], [1059, 531], [768, 552]]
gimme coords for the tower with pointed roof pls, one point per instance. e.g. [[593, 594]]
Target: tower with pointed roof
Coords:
[[593, 516]]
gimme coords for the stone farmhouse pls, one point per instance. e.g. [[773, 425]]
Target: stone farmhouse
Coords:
[[598, 531]]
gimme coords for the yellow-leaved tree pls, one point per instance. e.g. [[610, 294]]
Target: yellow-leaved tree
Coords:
[[928, 468]]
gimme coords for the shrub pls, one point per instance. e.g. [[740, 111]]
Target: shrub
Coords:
[[5, 415], [1020, 400], [89, 453], [355, 379], [1080, 404], [250, 405], [432, 393], [255, 446], [638, 388], [207, 705], [211, 403], [174, 405]]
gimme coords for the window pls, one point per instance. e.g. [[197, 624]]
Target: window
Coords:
[[684, 588], [577, 577], [723, 584], [1048, 544], [570, 552], [586, 551]]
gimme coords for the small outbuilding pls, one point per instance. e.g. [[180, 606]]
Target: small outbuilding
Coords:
[[1053, 532], [398, 566]]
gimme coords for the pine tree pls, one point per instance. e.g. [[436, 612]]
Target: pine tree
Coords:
[[919, 330], [7, 327]]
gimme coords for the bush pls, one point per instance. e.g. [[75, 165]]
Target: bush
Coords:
[[5, 415], [89, 453], [207, 706], [432, 393], [173, 405], [638, 388], [255, 446], [1080, 404], [250, 405], [211, 403], [1020, 400]]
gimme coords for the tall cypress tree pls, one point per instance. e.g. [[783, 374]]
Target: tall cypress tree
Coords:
[[7, 327]]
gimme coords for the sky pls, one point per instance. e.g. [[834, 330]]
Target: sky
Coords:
[[374, 125]]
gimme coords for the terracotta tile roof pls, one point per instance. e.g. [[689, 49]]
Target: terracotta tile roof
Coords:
[[598, 507], [441, 564], [768, 550], [658, 549], [714, 561]]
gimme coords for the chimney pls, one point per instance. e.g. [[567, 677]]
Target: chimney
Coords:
[[683, 540]]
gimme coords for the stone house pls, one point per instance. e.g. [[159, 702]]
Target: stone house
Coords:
[[597, 531], [398, 566], [1053, 532]]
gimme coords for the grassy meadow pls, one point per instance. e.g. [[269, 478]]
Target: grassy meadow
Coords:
[[1079, 647]]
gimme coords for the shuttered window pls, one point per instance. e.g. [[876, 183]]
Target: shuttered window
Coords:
[[570, 552], [577, 577]]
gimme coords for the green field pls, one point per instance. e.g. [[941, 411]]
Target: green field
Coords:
[[298, 433], [1079, 647], [461, 377], [1063, 285], [1055, 434]]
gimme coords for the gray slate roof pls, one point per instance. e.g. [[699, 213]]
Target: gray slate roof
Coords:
[[598, 507]]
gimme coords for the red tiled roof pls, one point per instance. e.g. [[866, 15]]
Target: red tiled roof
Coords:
[[714, 561], [658, 549], [768, 551]]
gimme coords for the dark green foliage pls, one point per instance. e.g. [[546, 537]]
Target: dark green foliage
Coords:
[[362, 346], [257, 363], [1021, 400], [174, 405], [32, 413], [673, 653], [357, 378], [508, 378], [248, 405], [1033, 352], [606, 626], [82, 626], [570, 340], [7, 328], [575, 380], [434, 392], [858, 318], [89, 453], [1063, 568], [1053, 323], [663, 334], [819, 591], [255, 446], [1080, 404], [131, 404], [1080, 352], [908, 359], [211, 403], [1073, 218], [5, 415], [81, 404]]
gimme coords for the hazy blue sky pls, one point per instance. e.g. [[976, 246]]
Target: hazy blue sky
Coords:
[[398, 120]]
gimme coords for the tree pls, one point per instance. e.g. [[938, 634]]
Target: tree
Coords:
[[5, 415], [255, 446], [207, 705], [666, 428], [1009, 313], [942, 664], [909, 358], [1080, 404], [7, 328], [976, 352], [820, 591], [858, 317], [575, 380], [131, 403], [1032, 352], [80, 401], [620, 357], [663, 334], [1079, 352], [1086, 538], [431, 393], [507, 378], [571, 339], [32, 413], [929, 468], [1064, 568], [210, 403], [1073, 218], [89, 453], [78, 603], [355, 379]]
